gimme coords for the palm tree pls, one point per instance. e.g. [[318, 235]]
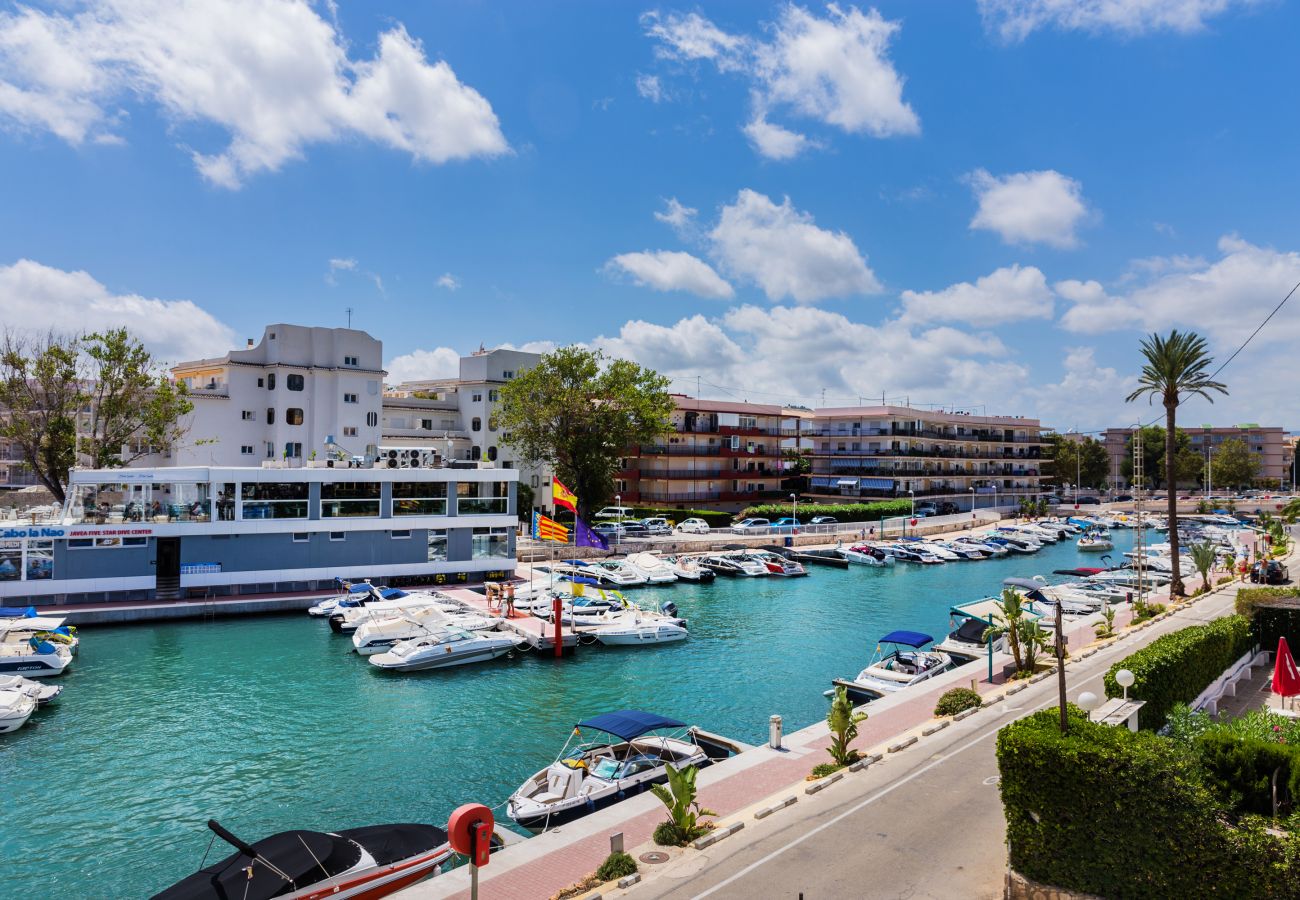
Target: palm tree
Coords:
[[1176, 367], [1203, 557], [1013, 613]]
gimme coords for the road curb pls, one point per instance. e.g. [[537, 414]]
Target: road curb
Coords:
[[629, 880], [711, 838], [823, 783], [768, 810], [966, 713], [903, 744], [936, 727], [1016, 689]]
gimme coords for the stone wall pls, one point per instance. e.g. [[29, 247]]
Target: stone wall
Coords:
[[1018, 887]]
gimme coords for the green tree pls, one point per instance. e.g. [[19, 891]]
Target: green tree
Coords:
[[1176, 367], [1008, 623], [1233, 464], [578, 411], [1187, 470], [1203, 557], [96, 398], [524, 499], [843, 723], [1085, 460]]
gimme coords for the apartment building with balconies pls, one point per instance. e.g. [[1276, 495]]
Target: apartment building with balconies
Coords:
[[1267, 442], [718, 455], [881, 452]]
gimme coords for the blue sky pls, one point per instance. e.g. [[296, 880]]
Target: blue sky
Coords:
[[979, 203]]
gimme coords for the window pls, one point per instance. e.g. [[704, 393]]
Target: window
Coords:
[[340, 499], [272, 335], [493, 395], [349, 431], [261, 382], [270, 450], [437, 545], [294, 382], [403, 535], [537, 481], [270, 382], [476, 452], [372, 419], [478, 398], [274, 499], [419, 498], [270, 415], [426, 424], [301, 537], [247, 415], [110, 543], [246, 450], [292, 450], [350, 361], [491, 543], [338, 535], [349, 398], [492, 453], [476, 424], [482, 498], [507, 375], [293, 415]]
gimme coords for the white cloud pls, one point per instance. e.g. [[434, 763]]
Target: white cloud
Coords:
[[680, 217], [650, 88], [834, 70], [691, 345], [773, 141], [272, 74], [1014, 20], [1225, 299], [668, 270], [779, 249], [1029, 207], [1088, 397], [1009, 294], [423, 365], [448, 282], [33, 296]]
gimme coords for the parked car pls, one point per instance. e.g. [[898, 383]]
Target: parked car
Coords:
[[1053, 500], [750, 526], [926, 509], [786, 525], [621, 530], [947, 508], [693, 526], [823, 520], [657, 525], [1088, 501], [1124, 498], [615, 512], [1269, 572]]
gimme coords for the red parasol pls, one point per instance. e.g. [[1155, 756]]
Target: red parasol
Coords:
[[1286, 679]]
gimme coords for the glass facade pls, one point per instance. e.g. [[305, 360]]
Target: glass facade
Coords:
[[419, 498], [274, 500], [491, 543], [343, 499], [482, 498], [109, 503], [437, 545]]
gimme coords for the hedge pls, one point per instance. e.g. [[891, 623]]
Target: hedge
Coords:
[[1268, 623], [845, 512], [1119, 814], [1177, 667], [1242, 769]]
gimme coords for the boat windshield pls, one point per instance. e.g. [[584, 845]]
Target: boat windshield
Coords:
[[606, 769]]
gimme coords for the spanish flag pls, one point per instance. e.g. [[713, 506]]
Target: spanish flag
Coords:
[[563, 496], [545, 529]]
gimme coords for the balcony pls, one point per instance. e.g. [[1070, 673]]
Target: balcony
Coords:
[[682, 473], [680, 450]]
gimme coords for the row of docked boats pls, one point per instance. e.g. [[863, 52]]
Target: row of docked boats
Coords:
[[31, 647]]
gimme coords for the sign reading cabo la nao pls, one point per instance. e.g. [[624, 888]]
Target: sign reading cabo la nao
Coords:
[[33, 532]]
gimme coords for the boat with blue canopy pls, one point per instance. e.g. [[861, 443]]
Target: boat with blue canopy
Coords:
[[623, 761], [899, 663]]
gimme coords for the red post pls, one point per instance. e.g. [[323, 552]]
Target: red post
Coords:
[[557, 608]]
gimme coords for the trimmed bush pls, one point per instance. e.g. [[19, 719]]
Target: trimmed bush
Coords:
[[1123, 815], [959, 699], [1242, 770], [668, 835], [1250, 598], [845, 512], [1177, 667], [616, 866]]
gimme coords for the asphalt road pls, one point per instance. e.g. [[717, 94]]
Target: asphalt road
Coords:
[[925, 823]]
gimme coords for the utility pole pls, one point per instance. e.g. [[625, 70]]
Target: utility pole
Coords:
[[1139, 536]]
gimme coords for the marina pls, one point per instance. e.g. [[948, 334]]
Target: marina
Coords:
[[273, 722]]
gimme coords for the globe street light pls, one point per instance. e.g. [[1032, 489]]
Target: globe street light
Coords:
[[1089, 701], [1124, 678]]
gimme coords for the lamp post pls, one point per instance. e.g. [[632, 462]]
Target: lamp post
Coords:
[[618, 529], [911, 495], [1124, 678], [794, 513]]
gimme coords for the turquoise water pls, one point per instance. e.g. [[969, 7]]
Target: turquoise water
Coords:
[[271, 723]]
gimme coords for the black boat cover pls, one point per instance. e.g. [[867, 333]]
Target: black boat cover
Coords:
[[971, 631], [306, 857]]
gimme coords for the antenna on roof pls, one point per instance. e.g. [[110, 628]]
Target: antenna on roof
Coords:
[[349, 311]]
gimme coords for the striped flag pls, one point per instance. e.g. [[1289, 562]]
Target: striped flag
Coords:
[[545, 529], [563, 496]]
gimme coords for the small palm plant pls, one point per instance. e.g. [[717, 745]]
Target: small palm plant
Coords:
[[843, 722], [1203, 556], [1008, 623], [1106, 627], [684, 812], [1033, 638]]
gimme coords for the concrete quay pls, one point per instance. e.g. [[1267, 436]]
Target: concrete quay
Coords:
[[173, 610]]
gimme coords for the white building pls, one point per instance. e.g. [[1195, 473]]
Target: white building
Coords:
[[301, 391], [453, 416]]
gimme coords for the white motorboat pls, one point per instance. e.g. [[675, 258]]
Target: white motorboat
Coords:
[[962, 550], [777, 564], [867, 555], [938, 549], [1094, 543], [988, 548], [912, 552], [16, 707], [619, 573], [652, 567], [689, 568], [32, 657], [395, 602], [1012, 543], [590, 776], [326, 607], [966, 641], [377, 635], [41, 693], [47, 628], [634, 627], [442, 649], [898, 668], [735, 563]]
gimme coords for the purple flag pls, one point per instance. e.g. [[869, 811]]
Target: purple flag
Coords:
[[585, 537]]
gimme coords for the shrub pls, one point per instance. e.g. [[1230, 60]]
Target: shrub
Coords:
[[1177, 667], [821, 770], [684, 811], [616, 866], [668, 835], [957, 700], [1226, 579], [845, 512], [1248, 599], [843, 724], [1242, 770]]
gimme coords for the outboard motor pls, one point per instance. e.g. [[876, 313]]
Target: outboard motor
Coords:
[[669, 608]]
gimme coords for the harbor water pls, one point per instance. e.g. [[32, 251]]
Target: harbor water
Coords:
[[271, 723]]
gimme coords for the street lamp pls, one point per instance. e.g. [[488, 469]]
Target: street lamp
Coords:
[[1089, 702], [1124, 678], [911, 494], [618, 529], [794, 513]]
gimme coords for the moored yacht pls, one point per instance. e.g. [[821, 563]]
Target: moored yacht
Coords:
[[652, 567], [443, 648], [41, 693], [378, 634], [904, 664], [777, 564], [32, 657], [16, 707], [868, 555], [326, 607], [689, 568]]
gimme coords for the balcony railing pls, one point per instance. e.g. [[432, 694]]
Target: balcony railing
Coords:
[[681, 449], [684, 473], [988, 456]]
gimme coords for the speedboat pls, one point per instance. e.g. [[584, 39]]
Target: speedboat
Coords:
[[914, 553], [1094, 543], [735, 564], [777, 564], [988, 548], [16, 707], [933, 548], [326, 607], [394, 602], [619, 573], [868, 555], [967, 641], [652, 567], [960, 550], [41, 693], [46, 628], [1011, 543], [897, 669], [688, 568], [589, 776], [377, 635], [443, 648], [373, 861], [635, 627], [582, 572], [33, 657]]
